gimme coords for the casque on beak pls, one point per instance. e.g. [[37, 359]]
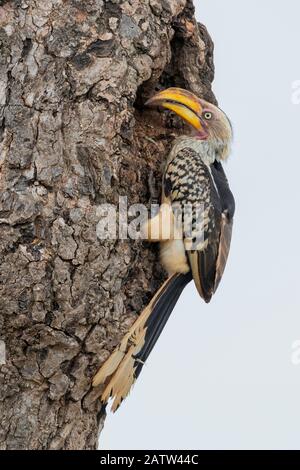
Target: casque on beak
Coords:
[[185, 104]]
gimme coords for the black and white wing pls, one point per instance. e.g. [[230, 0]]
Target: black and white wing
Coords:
[[189, 181]]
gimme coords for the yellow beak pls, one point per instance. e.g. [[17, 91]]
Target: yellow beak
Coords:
[[184, 103]]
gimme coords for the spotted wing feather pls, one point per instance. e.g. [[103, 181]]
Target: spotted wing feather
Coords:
[[189, 181]]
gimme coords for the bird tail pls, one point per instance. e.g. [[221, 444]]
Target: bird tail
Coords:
[[124, 365]]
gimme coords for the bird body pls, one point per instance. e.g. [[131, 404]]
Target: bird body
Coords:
[[194, 179], [193, 226]]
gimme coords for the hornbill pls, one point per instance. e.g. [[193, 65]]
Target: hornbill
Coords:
[[193, 178]]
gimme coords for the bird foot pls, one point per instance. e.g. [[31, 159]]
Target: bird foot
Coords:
[[153, 189]]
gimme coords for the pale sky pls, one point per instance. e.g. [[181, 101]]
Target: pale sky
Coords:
[[221, 375]]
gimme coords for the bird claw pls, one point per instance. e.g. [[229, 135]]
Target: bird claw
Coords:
[[153, 188]]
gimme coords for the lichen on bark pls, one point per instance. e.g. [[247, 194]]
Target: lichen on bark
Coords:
[[74, 134]]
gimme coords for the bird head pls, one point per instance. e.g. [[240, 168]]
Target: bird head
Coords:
[[209, 123]]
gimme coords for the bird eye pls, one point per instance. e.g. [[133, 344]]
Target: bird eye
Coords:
[[208, 115]]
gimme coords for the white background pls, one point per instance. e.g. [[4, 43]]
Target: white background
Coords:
[[221, 376]]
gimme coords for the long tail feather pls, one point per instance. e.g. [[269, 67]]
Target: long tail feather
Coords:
[[121, 369], [159, 318]]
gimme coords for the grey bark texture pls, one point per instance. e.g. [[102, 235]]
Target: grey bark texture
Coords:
[[73, 134]]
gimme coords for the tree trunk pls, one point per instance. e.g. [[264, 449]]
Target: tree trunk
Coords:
[[73, 134]]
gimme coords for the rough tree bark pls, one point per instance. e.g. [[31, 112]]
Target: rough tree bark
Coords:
[[74, 134]]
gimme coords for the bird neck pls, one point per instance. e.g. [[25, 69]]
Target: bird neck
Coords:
[[208, 150], [221, 148]]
